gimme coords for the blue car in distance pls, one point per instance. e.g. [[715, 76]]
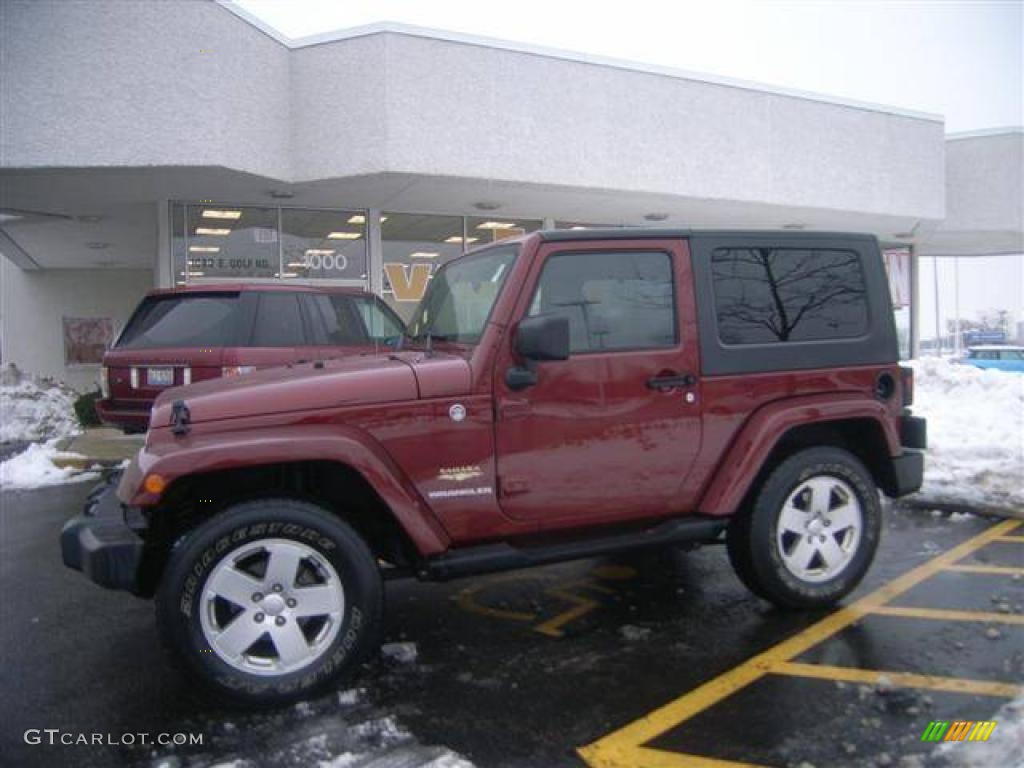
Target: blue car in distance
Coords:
[[1002, 358]]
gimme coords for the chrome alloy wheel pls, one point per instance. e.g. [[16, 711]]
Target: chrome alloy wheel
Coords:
[[272, 607], [819, 528]]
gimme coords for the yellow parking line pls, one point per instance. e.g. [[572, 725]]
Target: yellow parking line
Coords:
[[942, 614], [995, 570], [902, 679], [622, 748], [1014, 538]]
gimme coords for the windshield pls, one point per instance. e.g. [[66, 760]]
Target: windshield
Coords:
[[461, 296]]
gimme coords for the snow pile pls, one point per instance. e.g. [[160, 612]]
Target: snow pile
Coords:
[[975, 434], [34, 468], [34, 409]]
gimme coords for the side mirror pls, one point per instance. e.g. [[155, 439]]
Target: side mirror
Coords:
[[545, 337]]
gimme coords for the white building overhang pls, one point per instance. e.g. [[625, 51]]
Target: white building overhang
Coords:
[[109, 108]]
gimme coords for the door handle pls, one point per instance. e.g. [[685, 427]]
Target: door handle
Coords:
[[671, 381]]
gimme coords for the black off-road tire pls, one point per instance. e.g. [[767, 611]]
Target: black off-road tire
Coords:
[[180, 599], [752, 535]]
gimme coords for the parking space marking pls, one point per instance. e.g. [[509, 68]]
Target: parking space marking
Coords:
[[1014, 538], [902, 679], [995, 570], [945, 614], [624, 748]]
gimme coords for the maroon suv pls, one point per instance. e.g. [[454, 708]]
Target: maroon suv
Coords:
[[563, 395], [177, 337]]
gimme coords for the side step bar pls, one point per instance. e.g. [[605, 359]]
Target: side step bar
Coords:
[[489, 558]]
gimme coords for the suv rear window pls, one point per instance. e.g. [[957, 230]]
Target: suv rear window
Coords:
[[182, 320], [778, 295]]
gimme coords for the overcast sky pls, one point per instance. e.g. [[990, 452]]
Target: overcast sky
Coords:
[[964, 60]]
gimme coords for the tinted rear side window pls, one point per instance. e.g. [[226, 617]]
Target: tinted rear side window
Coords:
[[780, 295], [278, 321], [189, 320]]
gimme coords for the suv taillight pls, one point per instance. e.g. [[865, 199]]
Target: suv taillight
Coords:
[[104, 382], [907, 382], [236, 370]]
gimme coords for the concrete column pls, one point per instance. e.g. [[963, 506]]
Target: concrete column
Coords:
[[163, 263], [374, 252], [915, 304]]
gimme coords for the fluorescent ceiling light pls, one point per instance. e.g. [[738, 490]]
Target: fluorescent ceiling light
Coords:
[[457, 239], [424, 255], [497, 225], [298, 265], [212, 231], [344, 235], [204, 248], [319, 251], [578, 226], [213, 213], [196, 274], [289, 274], [357, 219]]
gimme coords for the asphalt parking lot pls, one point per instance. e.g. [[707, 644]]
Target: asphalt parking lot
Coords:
[[654, 659]]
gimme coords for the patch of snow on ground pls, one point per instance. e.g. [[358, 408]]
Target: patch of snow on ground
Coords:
[[33, 409], [1004, 748], [975, 434], [34, 468], [404, 653]]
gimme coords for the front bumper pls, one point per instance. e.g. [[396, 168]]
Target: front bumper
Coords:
[[100, 544]]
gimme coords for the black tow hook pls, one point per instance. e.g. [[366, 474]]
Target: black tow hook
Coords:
[[180, 418]]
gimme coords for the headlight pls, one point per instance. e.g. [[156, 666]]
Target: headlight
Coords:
[[105, 382]]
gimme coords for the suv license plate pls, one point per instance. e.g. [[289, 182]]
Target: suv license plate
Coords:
[[160, 377]]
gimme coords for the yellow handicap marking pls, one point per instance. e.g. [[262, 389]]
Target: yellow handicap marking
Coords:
[[624, 748], [474, 598]]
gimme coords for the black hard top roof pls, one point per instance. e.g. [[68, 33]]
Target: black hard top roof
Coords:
[[668, 233]]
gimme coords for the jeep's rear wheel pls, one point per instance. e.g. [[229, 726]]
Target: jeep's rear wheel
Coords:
[[270, 601], [811, 532]]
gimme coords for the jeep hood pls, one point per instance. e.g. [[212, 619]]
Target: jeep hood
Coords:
[[362, 380]]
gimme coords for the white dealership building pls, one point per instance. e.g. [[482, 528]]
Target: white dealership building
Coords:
[[147, 145]]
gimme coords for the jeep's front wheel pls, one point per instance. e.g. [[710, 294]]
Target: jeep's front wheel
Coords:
[[811, 532], [270, 601]]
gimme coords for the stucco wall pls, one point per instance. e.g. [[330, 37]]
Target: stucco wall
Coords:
[[986, 182], [469, 110], [34, 304], [109, 83], [189, 83]]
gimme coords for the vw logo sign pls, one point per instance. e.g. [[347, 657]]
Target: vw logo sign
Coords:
[[457, 412]]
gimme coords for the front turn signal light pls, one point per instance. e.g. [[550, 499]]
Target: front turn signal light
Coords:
[[154, 484]]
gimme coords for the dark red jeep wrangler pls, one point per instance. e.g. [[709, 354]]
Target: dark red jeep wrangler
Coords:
[[565, 395]]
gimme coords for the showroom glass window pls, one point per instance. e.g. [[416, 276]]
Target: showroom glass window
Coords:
[[323, 245], [780, 295], [231, 242], [415, 245]]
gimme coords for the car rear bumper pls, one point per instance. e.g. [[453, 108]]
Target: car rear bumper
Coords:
[[120, 414], [100, 544]]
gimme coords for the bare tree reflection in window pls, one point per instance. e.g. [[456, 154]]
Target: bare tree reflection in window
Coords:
[[766, 295]]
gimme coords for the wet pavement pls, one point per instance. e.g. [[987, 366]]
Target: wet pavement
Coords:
[[642, 657]]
